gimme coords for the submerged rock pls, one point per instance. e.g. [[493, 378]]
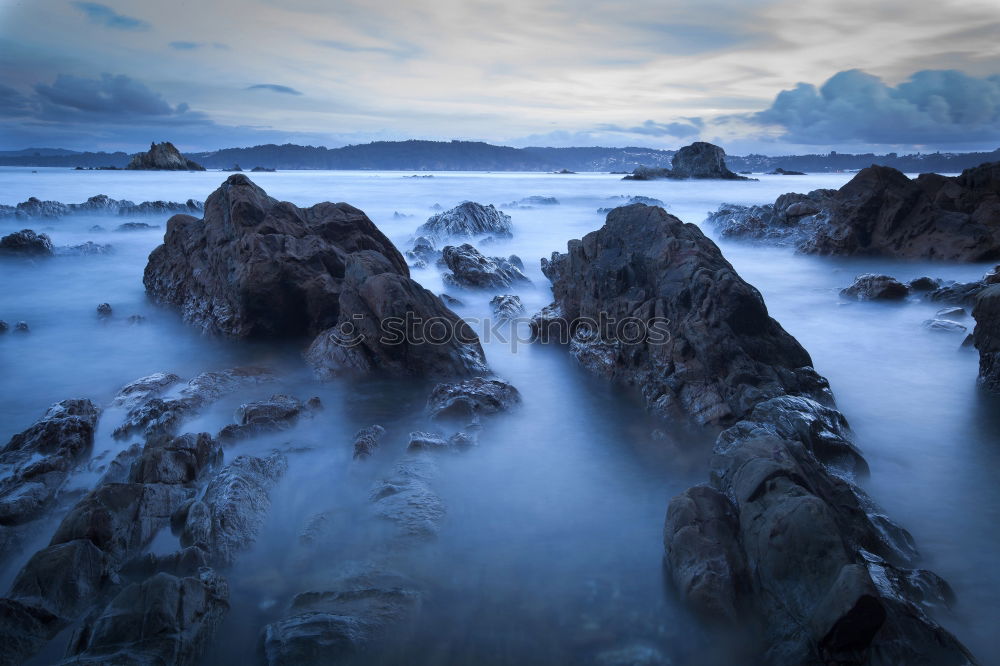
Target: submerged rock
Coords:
[[470, 269], [872, 287], [26, 243], [90, 248], [651, 302], [163, 157], [790, 220], [943, 326], [472, 398], [467, 220], [104, 310], [405, 499], [330, 626], [279, 412], [136, 226], [257, 267], [366, 440]]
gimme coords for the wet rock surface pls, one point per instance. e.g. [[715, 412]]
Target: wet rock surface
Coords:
[[471, 269], [986, 337], [697, 160], [506, 306], [256, 267], [366, 440], [882, 212], [390, 325], [277, 413], [26, 243], [872, 287], [472, 398], [705, 346], [467, 220]]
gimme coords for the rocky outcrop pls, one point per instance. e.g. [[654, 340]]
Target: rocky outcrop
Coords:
[[872, 287], [882, 212], [472, 270], [163, 157], [506, 307], [164, 619], [26, 243], [256, 267], [100, 204], [333, 625], [153, 416], [277, 413], [986, 336], [36, 462], [467, 220], [472, 398], [391, 325], [651, 302], [366, 440], [698, 160]]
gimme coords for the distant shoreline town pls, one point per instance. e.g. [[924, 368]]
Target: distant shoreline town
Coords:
[[417, 155]]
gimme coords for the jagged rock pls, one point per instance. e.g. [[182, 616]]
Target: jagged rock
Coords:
[[953, 312], [279, 412], [423, 252], [649, 201], [474, 397], [986, 336], [470, 269], [155, 416], [229, 516], [163, 157], [366, 440], [872, 287], [696, 339], [164, 619], [701, 539], [698, 160], [790, 220], [33, 207], [104, 310], [532, 201], [406, 499], [190, 207], [943, 326], [330, 626], [548, 325], [257, 267], [467, 220], [37, 461], [923, 284], [882, 212], [136, 226], [506, 307], [26, 243], [391, 325], [179, 460]]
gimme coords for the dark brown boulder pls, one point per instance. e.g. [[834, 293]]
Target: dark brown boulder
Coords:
[[653, 303], [255, 267]]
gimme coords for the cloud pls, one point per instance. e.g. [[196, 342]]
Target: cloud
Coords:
[[192, 46], [108, 17], [401, 52], [652, 128], [273, 87], [108, 96], [13, 103], [931, 107]]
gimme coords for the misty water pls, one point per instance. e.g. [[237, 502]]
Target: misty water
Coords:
[[551, 549]]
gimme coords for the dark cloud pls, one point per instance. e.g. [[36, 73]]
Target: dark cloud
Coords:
[[185, 46], [108, 96], [106, 16], [273, 87], [652, 128], [931, 107], [14, 103]]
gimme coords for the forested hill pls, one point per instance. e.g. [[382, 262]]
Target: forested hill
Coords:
[[478, 156]]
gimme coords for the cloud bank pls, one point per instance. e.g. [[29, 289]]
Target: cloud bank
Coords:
[[108, 17], [273, 87]]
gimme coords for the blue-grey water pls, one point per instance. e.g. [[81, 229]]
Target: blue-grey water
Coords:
[[551, 548]]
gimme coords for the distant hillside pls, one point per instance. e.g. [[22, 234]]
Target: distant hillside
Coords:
[[478, 156]]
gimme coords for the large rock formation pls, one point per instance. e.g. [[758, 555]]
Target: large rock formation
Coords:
[[782, 537], [986, 337], [163, 157], [698, 160], [882, 212], [705, 346], [26, 243], [471, 269]]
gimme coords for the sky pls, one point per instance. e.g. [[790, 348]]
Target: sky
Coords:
[[773, 77]]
